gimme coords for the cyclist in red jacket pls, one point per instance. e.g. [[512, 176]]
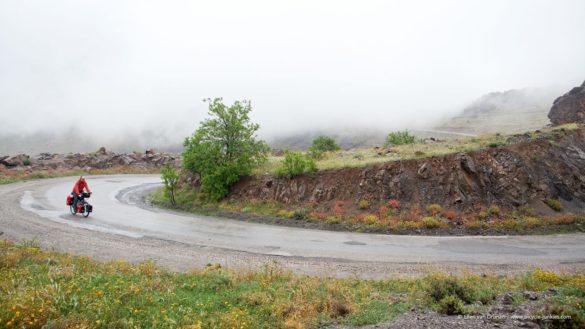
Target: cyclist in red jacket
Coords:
[[78, 188]]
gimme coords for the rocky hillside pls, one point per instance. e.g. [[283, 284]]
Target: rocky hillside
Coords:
[[102, 159], [534, 168], [569, 108]]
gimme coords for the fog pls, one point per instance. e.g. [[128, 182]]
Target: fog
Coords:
[[136, 71]]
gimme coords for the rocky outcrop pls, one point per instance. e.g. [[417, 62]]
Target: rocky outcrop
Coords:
[[569, 108], [101, 159], [547, 166]]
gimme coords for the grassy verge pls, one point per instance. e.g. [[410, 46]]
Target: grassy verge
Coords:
[[369, 156], [40, 288], [390, 218], [10, 176]]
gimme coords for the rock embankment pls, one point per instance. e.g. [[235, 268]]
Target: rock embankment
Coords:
[[101, 159], [569, 108], [525, 173]]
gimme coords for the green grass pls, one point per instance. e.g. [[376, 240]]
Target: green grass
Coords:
[[48, 289], [369, 156]]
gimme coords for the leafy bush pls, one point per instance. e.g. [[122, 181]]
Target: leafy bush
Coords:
[[430, 222], [170, 178], [321, 145], [394, 204], [364, 204], [451, 215], [370, 219], [451, 305], [400, 138], [299, 214], [494, 210], [224, 148], [547, 277], [294, 164], [439, 287], [434, 209], [554, 204]]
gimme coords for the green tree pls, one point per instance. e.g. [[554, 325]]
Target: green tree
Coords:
[[323, 144], [224, 147], [170, 178], [294, 164], [400, 138]]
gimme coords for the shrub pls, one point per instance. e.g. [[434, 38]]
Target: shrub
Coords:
[[299, 214], [370, 219], [170, 179], [430, 222], [394, 204], [333, 220], [532, 222], [285, 213], [566, 219], [434, 209], [399, 138], [26, 162], [321, 145], [451, 305], [494, 210], [546, 277], [294, 164], [483, 215], [554, 204], [440, 286], [451, 215], [364, 204]]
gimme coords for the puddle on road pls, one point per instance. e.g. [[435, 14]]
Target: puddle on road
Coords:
[[354, 243]]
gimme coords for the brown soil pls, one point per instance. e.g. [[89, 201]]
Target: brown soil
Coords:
[[526, 173]]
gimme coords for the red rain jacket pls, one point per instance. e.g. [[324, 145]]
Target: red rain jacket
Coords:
[[79, 186]]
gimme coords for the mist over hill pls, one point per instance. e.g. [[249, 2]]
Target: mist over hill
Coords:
[[508, 111]]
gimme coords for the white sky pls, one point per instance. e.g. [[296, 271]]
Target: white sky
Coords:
[[116, 67]]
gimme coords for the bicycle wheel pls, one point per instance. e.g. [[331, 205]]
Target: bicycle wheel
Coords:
[[85, 211]]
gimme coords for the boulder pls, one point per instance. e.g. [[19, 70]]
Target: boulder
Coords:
[[3, 158], [45, 156], [16, 160], [569, 108]]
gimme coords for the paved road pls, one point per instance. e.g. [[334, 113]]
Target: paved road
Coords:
[[122, 227]]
